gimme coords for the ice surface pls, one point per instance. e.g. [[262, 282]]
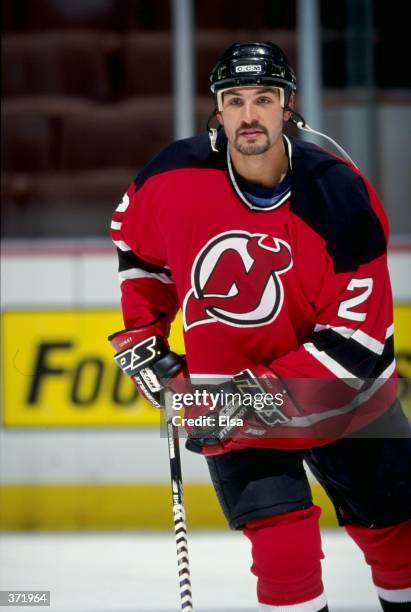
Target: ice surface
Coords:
[[137, 572]]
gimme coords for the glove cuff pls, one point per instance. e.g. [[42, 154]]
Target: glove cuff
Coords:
[[126, 338]]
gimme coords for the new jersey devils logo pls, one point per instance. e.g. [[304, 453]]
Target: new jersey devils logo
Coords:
[[235, 279]]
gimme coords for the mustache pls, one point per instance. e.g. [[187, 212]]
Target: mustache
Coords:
[[250, 126]]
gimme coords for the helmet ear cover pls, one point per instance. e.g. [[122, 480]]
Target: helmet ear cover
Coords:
[[282, 95]]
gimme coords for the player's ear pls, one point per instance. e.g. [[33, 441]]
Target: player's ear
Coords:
[[291, 105], [220, 118]]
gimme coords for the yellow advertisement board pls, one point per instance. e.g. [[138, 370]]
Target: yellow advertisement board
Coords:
[[58, 370], [402, 346]]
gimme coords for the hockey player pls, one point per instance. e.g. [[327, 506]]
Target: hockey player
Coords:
[[276, 252]]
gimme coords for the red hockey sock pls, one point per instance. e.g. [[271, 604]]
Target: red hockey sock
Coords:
[[388, 552], [286, 552]]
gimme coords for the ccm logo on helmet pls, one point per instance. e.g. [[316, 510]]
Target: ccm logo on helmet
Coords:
[[249, 68], [235, 280]]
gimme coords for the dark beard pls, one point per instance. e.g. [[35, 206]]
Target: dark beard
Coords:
[[249, 148], [252, 149]]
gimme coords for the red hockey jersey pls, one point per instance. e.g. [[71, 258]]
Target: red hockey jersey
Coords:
[[302, 287]]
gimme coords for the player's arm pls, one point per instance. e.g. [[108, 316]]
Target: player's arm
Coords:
[[148, 298], [352, 340], [351, 344]]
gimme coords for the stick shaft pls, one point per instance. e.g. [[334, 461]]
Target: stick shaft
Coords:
[[179, 514]]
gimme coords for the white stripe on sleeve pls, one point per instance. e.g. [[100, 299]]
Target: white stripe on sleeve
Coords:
[[116, 225], [356, 334], [334, 367], [122, 207], [390, 331], [123, 246], [138, 273]]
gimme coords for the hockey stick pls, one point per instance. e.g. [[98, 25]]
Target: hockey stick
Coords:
[[178, 507]]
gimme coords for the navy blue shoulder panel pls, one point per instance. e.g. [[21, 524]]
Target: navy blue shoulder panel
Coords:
[[192, 152], [333, 200]]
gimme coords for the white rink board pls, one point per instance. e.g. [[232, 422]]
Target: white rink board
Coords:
[[87, 276], [85, 456]]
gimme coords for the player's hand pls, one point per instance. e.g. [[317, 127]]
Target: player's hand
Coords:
[[248, 409], [144, 355]]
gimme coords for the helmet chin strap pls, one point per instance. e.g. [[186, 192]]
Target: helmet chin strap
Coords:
[[213, 132], [301, 123]]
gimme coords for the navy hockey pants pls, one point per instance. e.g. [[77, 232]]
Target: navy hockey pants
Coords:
[[367, 477]]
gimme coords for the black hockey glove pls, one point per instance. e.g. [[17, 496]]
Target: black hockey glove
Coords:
[[248, 408], [144, 355]]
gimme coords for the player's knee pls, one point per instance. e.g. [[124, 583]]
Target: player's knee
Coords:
[[286, 552], [387, 551]]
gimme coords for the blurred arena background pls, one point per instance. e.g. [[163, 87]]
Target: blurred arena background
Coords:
[[90, 92]]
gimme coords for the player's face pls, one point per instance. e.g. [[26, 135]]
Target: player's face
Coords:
[[252, 118]]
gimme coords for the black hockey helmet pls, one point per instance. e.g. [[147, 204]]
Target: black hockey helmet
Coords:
[[251, 64]]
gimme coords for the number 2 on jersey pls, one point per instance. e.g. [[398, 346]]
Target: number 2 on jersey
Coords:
[[345, 310]]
